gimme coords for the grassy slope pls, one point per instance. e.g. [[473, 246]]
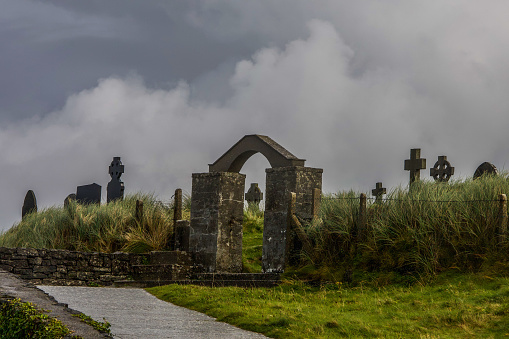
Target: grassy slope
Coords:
[[252, 239], [455, 306]]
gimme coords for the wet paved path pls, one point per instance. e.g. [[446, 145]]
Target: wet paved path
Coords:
[[134, 313]]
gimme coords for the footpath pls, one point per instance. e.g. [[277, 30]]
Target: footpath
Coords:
[[132, 313]]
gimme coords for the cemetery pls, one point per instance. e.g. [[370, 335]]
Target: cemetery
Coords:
[[404, 235], [300, 225]]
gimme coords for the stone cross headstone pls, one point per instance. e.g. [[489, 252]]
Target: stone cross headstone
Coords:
[[442, 171], [485, 168], [89, 194], [254, 195], [115, 188], [415, 164], [378, 191], [29, 205]]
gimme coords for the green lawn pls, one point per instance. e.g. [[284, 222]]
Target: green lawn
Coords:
[[454, 306]]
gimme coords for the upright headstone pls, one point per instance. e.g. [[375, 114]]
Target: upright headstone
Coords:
[[415, 164], [378, 192], [254, 195], [89, 194], [69, 198], [485, 168], [115, 188], [442, 171], [29, 205]]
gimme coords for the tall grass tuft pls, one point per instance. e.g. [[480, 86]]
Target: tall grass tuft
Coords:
[[102, 228], [430, 228]]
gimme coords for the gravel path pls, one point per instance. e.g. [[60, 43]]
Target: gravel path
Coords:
[[135, 313]]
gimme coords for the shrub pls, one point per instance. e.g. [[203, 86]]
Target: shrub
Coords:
[[23, 320]]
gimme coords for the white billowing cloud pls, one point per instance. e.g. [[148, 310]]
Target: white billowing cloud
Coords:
[[326, 96]]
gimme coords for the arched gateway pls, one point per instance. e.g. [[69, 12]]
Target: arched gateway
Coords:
[[217, 204]]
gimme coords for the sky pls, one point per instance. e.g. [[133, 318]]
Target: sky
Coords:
[[169, 86]]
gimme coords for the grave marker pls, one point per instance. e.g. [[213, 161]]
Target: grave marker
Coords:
[[88, 194], [415, 164], [254, 195], [69, 198], [115, 188], [485, 168], [378, 192], [442, 171], [29, 204]]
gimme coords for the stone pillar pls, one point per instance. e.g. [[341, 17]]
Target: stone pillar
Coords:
[[280, 181], [217, 211]]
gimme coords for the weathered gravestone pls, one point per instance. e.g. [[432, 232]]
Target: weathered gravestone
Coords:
[[415, 164], [254, 195], [485, 168], [69, 198], [115, 188], [88, 194], [378, 192], [29, 205], [442, 171]]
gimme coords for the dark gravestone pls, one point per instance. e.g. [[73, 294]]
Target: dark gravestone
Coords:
[[89, 194], [254, 195], [29, 205], [69, 198], [485, 168], [378, 191], [115, 188], [442, 171], [415, 164]]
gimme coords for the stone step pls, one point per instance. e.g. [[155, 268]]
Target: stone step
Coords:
[[237, 276], [161, 272], [210, 283], [170, 257]]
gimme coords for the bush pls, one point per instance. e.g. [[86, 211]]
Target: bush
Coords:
[[23, 320]]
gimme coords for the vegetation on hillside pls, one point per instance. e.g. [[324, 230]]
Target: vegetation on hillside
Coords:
[[418, 232], [414, 233], [101, 228]]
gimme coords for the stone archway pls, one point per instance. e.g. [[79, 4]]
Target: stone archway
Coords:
[[217, 204]]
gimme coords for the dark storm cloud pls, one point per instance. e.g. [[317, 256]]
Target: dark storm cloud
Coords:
[[351, 86]]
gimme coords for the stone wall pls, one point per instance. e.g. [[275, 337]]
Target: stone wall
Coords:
[[62, 267]]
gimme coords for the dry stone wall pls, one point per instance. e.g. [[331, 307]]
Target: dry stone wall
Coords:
[[62, 267]]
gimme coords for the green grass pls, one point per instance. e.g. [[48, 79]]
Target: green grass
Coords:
[[23, 320], [454, 306], [419, 232], [102, 228], [252, 239]]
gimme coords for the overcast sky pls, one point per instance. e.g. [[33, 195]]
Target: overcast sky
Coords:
[[169, 86]]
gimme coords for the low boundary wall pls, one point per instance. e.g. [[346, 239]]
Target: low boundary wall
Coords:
[[63, 267]]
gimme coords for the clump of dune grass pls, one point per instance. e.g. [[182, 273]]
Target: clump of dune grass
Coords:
[[102, 228], [419, 231]]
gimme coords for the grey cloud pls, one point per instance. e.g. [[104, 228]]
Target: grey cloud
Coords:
[[350, 86]]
